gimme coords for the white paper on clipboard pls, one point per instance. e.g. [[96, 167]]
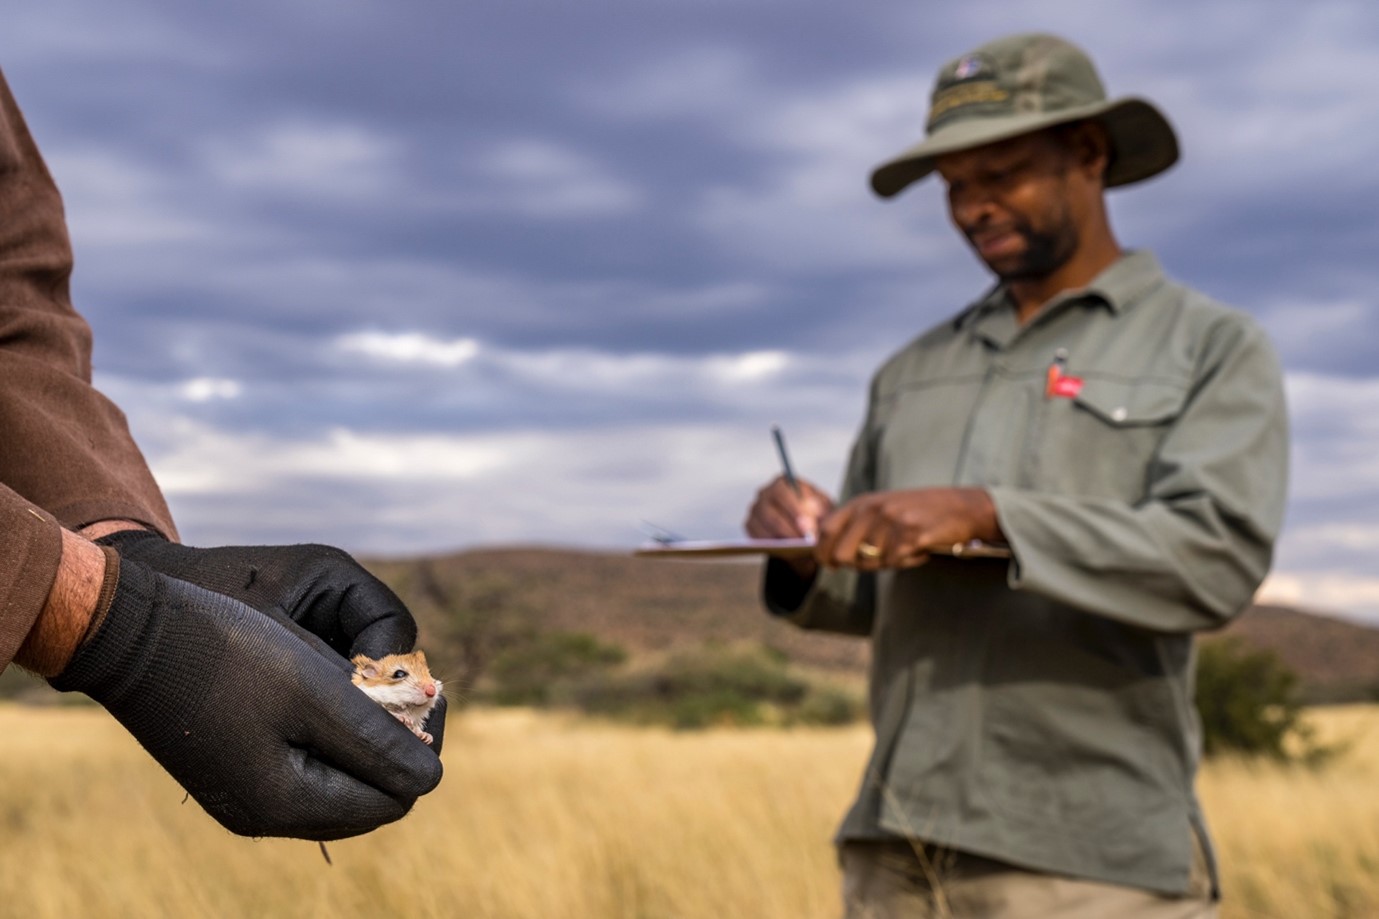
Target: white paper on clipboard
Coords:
[[722, 548]]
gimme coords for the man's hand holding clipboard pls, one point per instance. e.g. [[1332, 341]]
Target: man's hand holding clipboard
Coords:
[[795, 520]]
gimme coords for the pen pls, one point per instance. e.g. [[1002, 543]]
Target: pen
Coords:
[[784, 459], [1055, 373]]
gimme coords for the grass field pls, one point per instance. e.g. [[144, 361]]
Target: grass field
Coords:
[[540, 816]]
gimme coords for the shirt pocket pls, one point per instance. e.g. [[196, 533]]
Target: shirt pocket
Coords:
[[1127, 404], [1103, 441]]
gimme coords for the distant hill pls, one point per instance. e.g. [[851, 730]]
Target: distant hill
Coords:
[[1337, 660], [650, 606], [644, 605]]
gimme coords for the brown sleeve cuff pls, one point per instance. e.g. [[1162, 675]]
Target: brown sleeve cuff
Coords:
[[30, 552]]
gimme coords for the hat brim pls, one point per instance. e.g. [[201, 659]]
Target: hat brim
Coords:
[[1143, 142]]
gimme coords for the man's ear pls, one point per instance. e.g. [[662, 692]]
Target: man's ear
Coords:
[[1090, 146]]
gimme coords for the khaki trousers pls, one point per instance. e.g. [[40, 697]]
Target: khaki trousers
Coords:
[[891, 880]]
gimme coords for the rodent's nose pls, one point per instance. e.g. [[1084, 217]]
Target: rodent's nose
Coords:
[[430, 689]]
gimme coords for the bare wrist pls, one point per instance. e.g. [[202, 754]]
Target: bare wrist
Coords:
[[94, 531], [986, 526], [76, 603]]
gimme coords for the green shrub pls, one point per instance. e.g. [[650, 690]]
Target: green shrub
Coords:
[[761, 674], [715, 685], [828, 706], [538, 671], [721, 707], [1248, 701]]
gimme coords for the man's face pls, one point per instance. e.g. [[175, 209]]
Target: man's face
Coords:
[[1018, 203]]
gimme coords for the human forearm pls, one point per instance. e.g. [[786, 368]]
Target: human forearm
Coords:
[[78, 598]]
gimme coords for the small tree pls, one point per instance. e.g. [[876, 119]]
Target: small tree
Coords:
[[479, 618], [1248, 700]]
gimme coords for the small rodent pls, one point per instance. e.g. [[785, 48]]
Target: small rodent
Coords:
[[402, 684]]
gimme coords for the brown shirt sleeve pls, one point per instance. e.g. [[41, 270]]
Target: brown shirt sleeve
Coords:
[[29, 555], [66, 455], [63, 446]]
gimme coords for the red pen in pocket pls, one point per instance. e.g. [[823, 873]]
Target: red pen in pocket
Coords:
[[1058, 384]]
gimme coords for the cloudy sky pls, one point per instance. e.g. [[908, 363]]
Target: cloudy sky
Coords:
[[418, 276]]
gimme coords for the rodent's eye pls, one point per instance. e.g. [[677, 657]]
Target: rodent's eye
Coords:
[[399, 674]]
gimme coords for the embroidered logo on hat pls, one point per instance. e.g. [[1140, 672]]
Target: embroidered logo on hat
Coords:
[[968, 67], [970, 80]]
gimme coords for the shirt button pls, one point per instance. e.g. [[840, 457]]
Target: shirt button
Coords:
[[1118, 413]]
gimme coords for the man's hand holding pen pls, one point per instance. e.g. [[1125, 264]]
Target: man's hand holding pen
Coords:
[[884, 529], [788, 508]]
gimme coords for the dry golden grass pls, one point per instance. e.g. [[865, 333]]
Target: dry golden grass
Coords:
[[537, 817], [1297, 842], [540, 816]]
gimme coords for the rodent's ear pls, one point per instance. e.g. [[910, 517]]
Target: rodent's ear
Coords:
[[365, 667]]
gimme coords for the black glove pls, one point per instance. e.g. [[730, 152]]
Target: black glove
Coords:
[[264, 731], [320, 588]]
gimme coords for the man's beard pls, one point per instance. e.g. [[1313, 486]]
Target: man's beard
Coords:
[[1045, 252]]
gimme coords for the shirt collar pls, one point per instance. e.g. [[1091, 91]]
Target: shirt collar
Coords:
[[1119, 286], [1126, 281]]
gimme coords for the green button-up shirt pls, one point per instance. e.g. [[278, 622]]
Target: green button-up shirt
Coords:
[[1040, 710]]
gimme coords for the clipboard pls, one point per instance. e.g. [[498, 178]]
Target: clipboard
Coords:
[[788, 548], [726, 548]]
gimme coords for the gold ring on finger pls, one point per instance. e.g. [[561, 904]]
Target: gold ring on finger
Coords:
[[867, 550]]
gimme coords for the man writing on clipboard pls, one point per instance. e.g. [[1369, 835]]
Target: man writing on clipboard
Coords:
[[1036, 741]]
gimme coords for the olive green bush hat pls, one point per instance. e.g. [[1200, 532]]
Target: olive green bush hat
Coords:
[[1025, 83]]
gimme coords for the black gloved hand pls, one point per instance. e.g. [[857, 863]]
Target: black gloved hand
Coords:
[[264, 731], [320, 588]]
